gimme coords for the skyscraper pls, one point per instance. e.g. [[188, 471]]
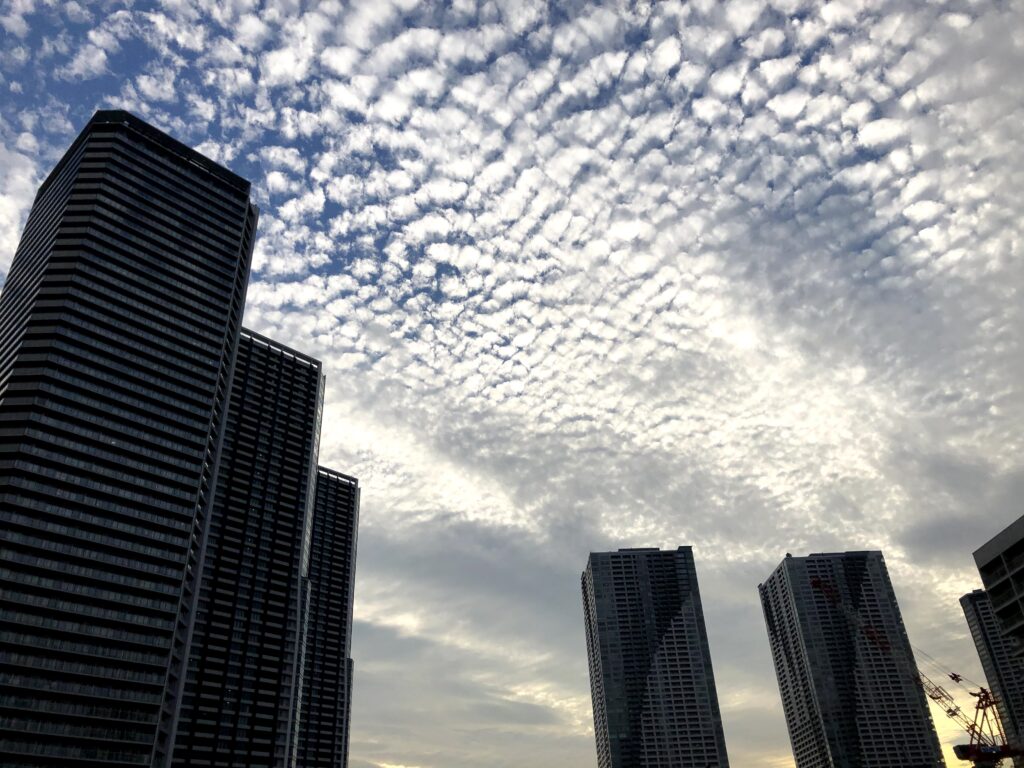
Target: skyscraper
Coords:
[[327, 698], [245, 660], [1001, 563], [653, 691], [1004, 670], [118, 323], [158, 466], [849, 684]]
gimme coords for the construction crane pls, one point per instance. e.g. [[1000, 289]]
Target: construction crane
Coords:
[[987, 747]]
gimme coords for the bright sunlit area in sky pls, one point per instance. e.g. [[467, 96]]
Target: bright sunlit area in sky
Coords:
[[739, 275]]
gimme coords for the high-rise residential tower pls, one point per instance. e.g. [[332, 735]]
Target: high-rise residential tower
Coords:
[[158, 468], [118, 322], [1001, 564], [653, 691], [849, 684], [241, 702], [327, 695], [1004, 670]]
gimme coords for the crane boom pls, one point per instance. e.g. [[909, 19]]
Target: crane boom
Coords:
[[987, 746]]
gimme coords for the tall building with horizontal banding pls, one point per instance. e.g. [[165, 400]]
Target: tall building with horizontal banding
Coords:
[[327, 693], [652, 687], [118, 324], [242, 692], [158, 473]]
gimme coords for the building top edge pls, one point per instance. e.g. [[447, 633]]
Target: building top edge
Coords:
[[992, 548], [336, 475], [974, 594], [640, 550], [276, 345], [152, 133], [113, 116]]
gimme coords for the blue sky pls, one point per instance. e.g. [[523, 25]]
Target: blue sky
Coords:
[[740, 275]]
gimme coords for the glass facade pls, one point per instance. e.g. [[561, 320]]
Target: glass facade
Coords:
[[118, 323]]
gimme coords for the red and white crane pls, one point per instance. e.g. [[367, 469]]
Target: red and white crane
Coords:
[[987, 746]]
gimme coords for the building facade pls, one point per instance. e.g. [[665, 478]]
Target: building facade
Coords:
[[118, 322], [327, 697], [847, 676], [158, 466], [1004, 670], [1000, 562], [245, 660], [651, 682]]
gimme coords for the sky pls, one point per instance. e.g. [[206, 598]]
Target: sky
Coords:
[[740, 275]]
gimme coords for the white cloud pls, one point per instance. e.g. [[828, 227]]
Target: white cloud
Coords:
[[18, 180], [158, 86], [742, 14], [250, 31], [13, 20], [89, 62], [789, 105], [339, 60], [284, 66], [666, 56], [288, 158], [882, 132], [923, 211], [714, 273], [776, 71]]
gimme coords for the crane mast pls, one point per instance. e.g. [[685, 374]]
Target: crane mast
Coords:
[[987, 746]]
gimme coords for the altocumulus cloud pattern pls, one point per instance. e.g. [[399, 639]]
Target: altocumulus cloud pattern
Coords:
[[740, 275]]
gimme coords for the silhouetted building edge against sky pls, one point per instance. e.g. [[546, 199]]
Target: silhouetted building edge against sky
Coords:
[[845, 668], [122, 420], [652, 686], [329, 637], [1004, 671], [1000, 561], [119, 320]]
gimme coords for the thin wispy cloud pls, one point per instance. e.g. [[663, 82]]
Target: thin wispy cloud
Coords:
[[740, 275]]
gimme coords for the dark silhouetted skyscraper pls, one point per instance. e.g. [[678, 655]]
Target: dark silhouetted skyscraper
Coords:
[[241, 695], [118, 322], [847, 676], [158, 467], [1003, 669], [653, 691], [1001, 563], [327, 698]]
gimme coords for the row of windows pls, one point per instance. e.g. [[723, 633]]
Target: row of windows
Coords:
[[84, 534], [106, 558], [52, 685], [63, 728], [72, 708], [83, 609], [51, 624]]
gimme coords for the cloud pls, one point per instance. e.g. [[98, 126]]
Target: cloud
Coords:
[[89, 62], [666, 56], [740, 275], [158, 86], [18, 183], [881, 132]]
